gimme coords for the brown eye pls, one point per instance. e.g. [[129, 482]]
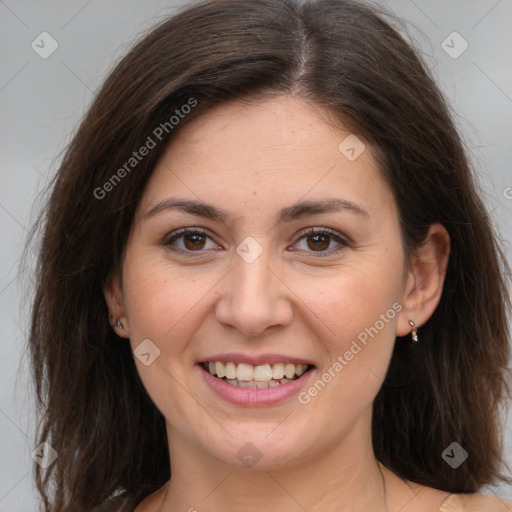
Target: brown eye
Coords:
[[194, 241], [318, 242], [321, 241], [190, 242]]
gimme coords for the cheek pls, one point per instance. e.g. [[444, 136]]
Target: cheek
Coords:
[[360, 308], [358, 356], [163, 308], [167, 306], [354, 301], [159, 303]]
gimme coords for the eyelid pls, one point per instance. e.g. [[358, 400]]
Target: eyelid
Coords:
[[338, 237], [178, 233], [314, 230], [342, 240]]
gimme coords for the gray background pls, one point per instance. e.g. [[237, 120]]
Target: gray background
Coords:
[[42, 100]]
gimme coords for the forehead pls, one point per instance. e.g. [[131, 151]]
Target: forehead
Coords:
[[250, 130], [266, 153]]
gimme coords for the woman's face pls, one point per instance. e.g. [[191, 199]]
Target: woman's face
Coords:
[[293, 261]]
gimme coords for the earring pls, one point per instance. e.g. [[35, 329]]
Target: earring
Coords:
[[414, 333], [119, 324]]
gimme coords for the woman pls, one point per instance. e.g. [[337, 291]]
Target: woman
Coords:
[[266, 271]]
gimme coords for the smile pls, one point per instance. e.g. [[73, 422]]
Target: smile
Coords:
[[261, 376]]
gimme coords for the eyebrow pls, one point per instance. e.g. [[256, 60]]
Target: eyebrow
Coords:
[[287, 214]]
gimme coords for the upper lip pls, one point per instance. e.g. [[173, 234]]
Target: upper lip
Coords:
[[255, 360]]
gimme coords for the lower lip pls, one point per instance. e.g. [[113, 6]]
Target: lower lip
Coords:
[[254, 397]]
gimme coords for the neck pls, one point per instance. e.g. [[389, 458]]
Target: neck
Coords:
[[344, 477]]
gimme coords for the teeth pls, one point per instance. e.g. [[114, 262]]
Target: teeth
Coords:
[[230, 370], [289, 371], [260, 376], [244, 372], [220, 369], [246, 384], [263, 373], [256, 384], [278, 371]]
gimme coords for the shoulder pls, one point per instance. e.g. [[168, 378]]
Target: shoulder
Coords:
[[116, 504], [128, 503], [475, 503]]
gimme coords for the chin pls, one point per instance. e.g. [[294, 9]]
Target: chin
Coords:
[[259, 450]]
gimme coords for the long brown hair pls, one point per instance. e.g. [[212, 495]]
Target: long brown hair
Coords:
[[343, 56]]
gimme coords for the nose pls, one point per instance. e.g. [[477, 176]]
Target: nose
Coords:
[[254, 297]]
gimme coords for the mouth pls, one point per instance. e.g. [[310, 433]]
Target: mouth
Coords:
[[262, 376]]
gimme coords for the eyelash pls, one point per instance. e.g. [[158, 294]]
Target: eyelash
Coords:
[[305, 233]]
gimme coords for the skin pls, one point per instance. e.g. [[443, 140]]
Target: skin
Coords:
[[250, 159]]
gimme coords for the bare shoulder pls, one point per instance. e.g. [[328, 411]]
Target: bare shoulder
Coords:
[[116, 504], [153, 501], [126, 503], [408, 496], [475, 503]]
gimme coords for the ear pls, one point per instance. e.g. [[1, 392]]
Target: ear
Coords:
[[425, 279], [113, 293]]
